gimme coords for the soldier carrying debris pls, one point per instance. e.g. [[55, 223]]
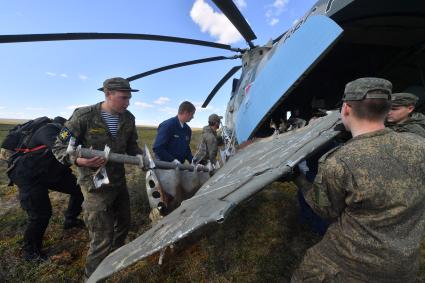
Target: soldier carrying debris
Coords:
[[208, 147], [106, 206], [174, 135]]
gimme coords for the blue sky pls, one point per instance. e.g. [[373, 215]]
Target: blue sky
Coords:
[[52, 78]]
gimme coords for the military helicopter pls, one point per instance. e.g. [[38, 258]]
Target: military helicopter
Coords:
[[304, 69], [354, 32]]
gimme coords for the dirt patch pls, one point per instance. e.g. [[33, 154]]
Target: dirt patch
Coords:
[[6, 204]]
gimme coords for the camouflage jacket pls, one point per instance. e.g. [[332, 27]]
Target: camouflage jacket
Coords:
[[415, 124], [87, 126], [208, 147], [374, 189]]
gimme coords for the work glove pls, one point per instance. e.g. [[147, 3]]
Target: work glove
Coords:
[[100, 178], [210, 166], [176, 162]]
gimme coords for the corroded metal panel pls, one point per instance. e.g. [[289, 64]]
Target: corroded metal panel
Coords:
[[167, 188], [246, 173]]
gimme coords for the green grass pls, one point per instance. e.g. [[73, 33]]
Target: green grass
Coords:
[[4, 130], [261, 240]]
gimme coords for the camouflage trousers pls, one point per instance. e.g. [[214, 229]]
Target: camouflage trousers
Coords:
[[323, 263], [107, 217], [317, 268]]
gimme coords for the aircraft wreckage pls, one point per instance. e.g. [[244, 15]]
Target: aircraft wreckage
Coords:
[[246, 173]]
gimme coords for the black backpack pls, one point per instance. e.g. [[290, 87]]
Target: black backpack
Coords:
[[19, 136]]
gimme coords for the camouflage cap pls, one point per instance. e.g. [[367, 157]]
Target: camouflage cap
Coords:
[[363, 88], [214, 118], [117, 84], [403, 99]]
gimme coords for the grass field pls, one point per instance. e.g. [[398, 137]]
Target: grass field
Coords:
[[261, 241]]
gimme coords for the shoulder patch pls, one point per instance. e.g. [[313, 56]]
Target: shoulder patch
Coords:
[[64, 135]]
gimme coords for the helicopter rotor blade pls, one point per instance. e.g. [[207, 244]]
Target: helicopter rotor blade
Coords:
[[182, 64], [232, 12], [279, 37], [14, 38], [220, 84]]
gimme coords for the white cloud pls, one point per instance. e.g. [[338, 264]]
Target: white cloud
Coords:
[[143, 105], [82, 77], [274, 10], [64, 75], [64, 113], [206, 109], [169, 110], [2, 107], [280, 4], [240, 3], [216, 24], [162, 100], [72, 107], [51, 74], [273, 21], [209, 107]]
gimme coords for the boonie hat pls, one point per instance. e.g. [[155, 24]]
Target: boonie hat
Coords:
[[214, 118], [403, 99], [363, 88], [117, 84]]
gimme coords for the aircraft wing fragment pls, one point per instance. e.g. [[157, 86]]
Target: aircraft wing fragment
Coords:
[[246, 173]]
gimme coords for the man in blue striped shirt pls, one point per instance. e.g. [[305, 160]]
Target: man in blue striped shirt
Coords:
[[106, 209]]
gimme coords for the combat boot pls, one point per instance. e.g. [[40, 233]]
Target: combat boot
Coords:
[[73, 223], [35, 256]]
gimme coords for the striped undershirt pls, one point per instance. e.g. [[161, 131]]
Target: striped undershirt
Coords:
[[111, 121]]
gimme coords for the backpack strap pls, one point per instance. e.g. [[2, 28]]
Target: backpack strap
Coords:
[[26, 150]]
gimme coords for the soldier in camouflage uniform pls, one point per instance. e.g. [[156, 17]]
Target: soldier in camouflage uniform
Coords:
[[106, 209], [208, 147], [373, 188], [401, 117]]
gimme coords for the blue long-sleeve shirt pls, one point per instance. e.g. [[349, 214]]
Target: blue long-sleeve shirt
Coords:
[[172, 141]]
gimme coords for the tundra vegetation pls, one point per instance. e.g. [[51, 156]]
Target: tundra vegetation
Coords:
[[261, 241]]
